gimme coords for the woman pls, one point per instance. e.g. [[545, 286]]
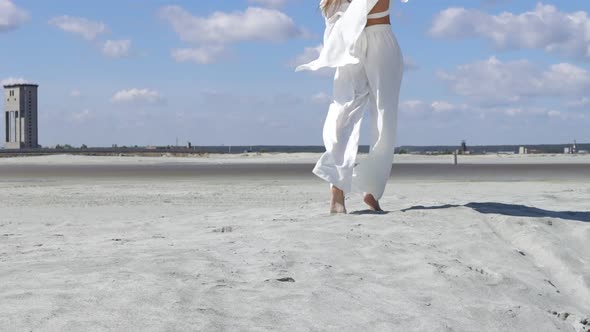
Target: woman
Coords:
[[359, 43]]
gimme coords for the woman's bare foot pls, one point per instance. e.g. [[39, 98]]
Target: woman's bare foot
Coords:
[[337, 204], [372, 203]]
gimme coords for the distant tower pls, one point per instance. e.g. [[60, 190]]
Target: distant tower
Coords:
[[463, 147], [21, 116], [574, 148]]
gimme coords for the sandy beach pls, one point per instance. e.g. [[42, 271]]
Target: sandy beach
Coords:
[[245, 243]]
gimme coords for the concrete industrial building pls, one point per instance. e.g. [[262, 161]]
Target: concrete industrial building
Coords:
[[21, 116]]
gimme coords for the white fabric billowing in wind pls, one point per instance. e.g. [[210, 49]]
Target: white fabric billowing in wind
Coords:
[[343, 28]]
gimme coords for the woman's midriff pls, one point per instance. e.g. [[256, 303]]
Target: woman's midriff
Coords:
[[380, 7], [375, 21]]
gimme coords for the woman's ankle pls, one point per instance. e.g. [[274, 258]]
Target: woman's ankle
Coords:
[[337, 203]]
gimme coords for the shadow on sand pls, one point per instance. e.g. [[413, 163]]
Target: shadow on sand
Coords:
[[365, 212], [513, 210]]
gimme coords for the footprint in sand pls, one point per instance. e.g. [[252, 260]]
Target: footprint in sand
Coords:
[[224, 229]]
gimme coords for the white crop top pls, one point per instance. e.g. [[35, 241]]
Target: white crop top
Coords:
[[378, 15]]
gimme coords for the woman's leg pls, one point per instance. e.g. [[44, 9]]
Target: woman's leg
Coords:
[[384, 69], [337, 201], [374, 133], [341, 132]]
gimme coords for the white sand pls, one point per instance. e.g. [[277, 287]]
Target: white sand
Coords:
[[293, 158], [203, 254]]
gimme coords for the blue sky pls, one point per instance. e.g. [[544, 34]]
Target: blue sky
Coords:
[[221, 72]]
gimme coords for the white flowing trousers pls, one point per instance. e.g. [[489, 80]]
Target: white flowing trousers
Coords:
[[371, 86]]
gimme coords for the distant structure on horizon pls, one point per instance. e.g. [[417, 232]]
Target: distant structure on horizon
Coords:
[[21, 116], [464, 149]]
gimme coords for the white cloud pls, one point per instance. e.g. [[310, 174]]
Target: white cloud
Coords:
[[137, 96], [528, 111], [11, 17], [321, 98], [116, 48], [201, 55], [495, 81], [544, 28], [81, 116], [215, 32], [270, 3], [91, 30], [524, 111], [413, 106], [513, 111], [568, 116], [582, 103], [410, 64], [252, 24], [75, 93], [429, 111], [416, 107], [13, 80], [445, 106], [423, 109], [83, 27]]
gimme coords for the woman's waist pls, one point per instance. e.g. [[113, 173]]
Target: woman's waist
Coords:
[[378, 21], [378, 27]]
